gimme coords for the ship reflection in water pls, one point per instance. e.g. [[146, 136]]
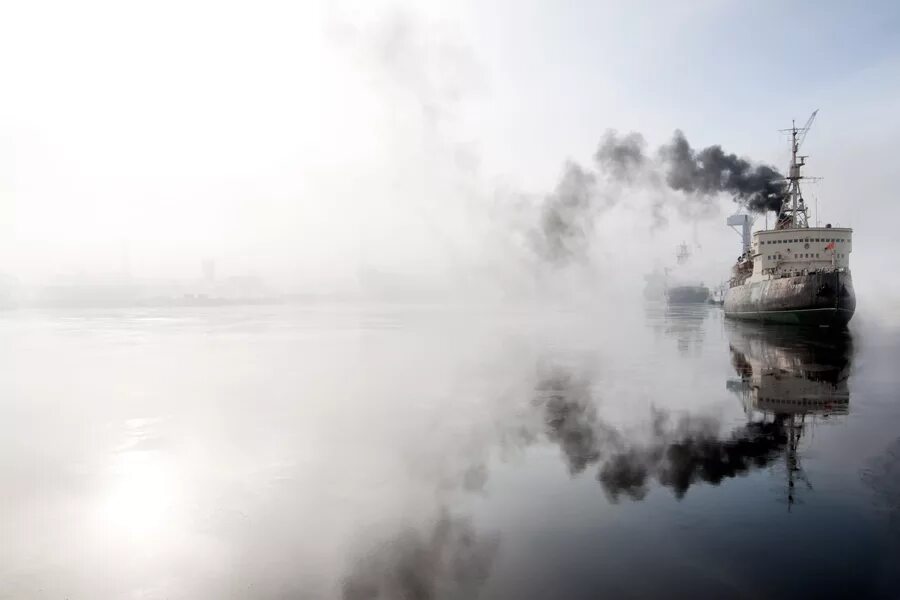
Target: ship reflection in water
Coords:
[[788, 379], [699, 484]]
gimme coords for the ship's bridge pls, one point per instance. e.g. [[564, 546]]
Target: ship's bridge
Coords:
[[783, 251]]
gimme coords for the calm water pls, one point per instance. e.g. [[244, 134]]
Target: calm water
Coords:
[[417, 452]]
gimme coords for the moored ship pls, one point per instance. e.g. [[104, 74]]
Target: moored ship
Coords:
[[793, 273], [687, 294], [681, 291]]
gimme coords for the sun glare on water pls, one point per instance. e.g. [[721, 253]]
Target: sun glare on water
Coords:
[[142, 492], [142, 496]]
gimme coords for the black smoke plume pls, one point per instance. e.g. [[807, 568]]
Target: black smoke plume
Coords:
[[712, 171], [693, 457], [451, 560], [621, 158], [566, 219], [571, 419], [706, 172], [567, 216], [679, 454]]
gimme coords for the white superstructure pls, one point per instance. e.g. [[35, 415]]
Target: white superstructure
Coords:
[[792, 248], [787, 252]]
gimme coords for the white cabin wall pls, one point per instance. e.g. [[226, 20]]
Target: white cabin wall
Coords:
[[790, 250]]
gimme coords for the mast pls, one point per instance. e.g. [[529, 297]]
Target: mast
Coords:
[[793, 213], [683, 253]]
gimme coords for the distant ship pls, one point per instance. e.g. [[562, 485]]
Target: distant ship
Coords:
[[793, 273], [717, 296], [686, 293]]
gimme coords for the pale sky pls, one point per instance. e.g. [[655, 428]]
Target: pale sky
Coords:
[[301, 139]]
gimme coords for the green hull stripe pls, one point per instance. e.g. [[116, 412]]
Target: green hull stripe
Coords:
[[784, 312], [803, 316]]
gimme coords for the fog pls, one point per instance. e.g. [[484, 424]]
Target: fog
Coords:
[[344, 299], [345, 148]]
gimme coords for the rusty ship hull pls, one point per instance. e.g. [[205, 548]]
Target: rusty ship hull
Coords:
[[818, 299]]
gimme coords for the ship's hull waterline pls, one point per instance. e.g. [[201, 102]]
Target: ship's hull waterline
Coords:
[[817, 299]]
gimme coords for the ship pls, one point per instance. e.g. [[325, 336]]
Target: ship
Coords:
[[717, 295], [793, 273], [684, 292]]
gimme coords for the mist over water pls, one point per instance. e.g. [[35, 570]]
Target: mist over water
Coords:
[[385, 451], [376, 186]]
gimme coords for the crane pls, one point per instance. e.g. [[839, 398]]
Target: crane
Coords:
[[805, 128]]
